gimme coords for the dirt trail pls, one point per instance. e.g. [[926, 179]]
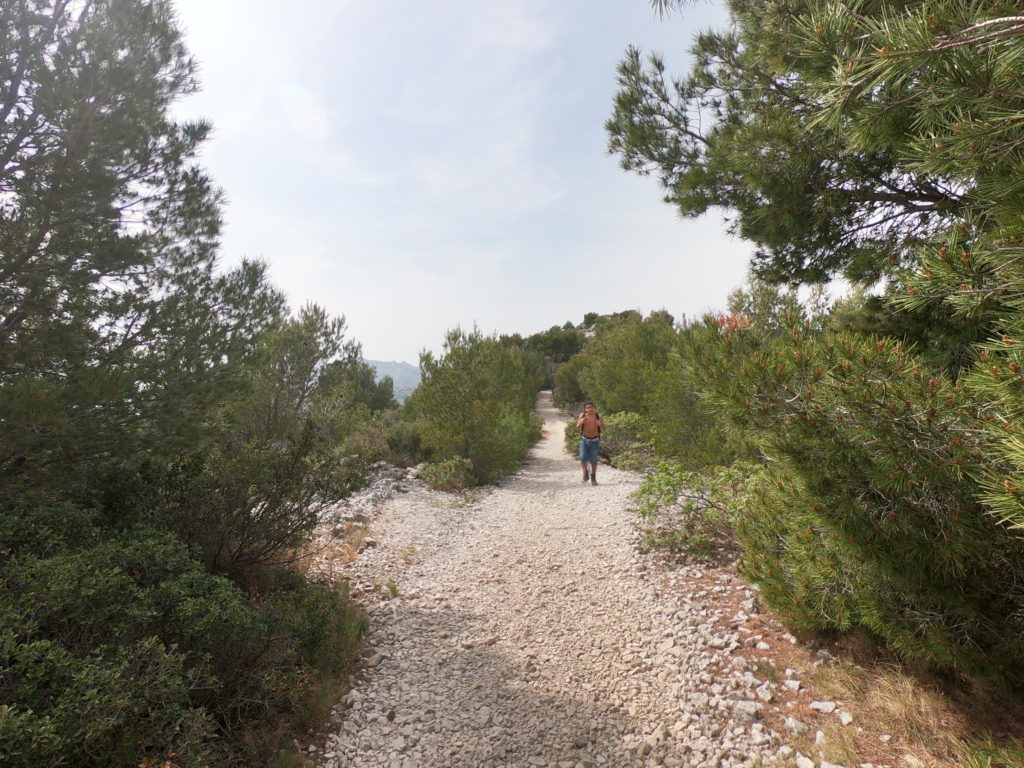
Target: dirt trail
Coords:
[[525, 631]]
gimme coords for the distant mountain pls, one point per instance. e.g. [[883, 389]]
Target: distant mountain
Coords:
[[405, 376]]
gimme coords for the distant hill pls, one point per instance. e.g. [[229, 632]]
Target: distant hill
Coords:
[[405, 376]]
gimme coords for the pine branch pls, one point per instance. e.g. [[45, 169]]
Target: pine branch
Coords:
[[967, 35]]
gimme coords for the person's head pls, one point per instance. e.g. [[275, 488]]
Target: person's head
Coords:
[[588, 407]]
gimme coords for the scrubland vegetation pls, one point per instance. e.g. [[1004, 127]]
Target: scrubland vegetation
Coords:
[[861, 483], [474, 408], [863, 453], [169, 430]]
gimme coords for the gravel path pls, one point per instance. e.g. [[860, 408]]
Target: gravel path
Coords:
[[525, 630]]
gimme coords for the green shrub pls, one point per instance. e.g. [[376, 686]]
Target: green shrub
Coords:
[[449, 475], [800, 562], [693, 512], [315, 634], [239, 506], [625, 441], [366, 446], [476, 402], [404, 436], [568, 393], [323, 625], [503, 448], [108, 651], [112, 707], [618, 367], [140, 584], [571, 437], [47, 529], [869, 514], [129, 649], [557, 344], [680, 425]]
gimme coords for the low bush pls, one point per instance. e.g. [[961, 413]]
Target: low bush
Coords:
[[625, 442], [404, 437], [571, 437], [506, 446], [45, 529], [129, 650], [690, 512], [449, 475], [365, 447], [315, 634], [108, 650], [239, 507], [110, 707], [870, 514]]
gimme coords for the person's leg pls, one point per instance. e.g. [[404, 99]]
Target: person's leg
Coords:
[[583, 459], [593, 473]]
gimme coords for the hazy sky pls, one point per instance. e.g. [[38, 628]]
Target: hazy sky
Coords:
[[420, 165]]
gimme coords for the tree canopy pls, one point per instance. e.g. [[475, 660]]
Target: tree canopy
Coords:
[[113, 316], [168, 430], [840, 137]]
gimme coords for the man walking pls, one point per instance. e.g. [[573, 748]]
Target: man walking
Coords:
[[591, 425]]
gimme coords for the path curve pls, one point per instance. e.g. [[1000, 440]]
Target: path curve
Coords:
[[525, 631]]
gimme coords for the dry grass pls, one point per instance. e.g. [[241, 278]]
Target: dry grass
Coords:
[[387, 589], [765, 670], [839, 746], [346, 549], [916, 718], [927, 726], [321, 558], [984, 753]]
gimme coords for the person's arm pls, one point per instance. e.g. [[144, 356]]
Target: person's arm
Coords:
[[579, 421], [600, 423]]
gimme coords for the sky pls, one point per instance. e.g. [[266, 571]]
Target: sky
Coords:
[[424, 165]]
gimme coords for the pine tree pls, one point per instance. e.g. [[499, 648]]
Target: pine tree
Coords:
[[619, 366], [743, 132], [870, 138], [868, 513], [115, 326], [476, 402]]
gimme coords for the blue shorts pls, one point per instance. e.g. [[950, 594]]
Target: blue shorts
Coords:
[[589, 448]]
